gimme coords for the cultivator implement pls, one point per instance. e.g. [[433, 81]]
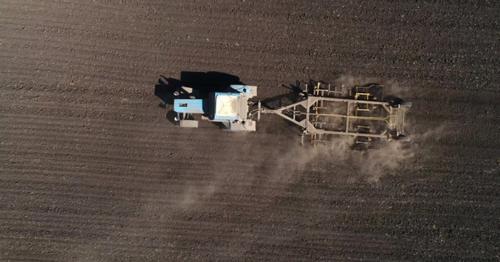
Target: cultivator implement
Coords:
[[360, 112]]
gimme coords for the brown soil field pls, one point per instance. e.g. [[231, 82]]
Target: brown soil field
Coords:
[[91, 169]]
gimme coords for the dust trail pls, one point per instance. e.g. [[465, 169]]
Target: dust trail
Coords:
[[344, 164]]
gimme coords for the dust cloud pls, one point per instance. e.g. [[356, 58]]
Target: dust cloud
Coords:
[[338, 160]]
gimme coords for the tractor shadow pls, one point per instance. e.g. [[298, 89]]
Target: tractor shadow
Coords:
[[202, 84]]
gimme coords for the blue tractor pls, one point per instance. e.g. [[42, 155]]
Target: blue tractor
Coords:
[[230, 108]]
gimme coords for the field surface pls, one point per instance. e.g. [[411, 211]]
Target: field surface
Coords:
[[91, 169]]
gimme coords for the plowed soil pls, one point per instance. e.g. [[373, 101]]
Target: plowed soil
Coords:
[[91, 169]]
